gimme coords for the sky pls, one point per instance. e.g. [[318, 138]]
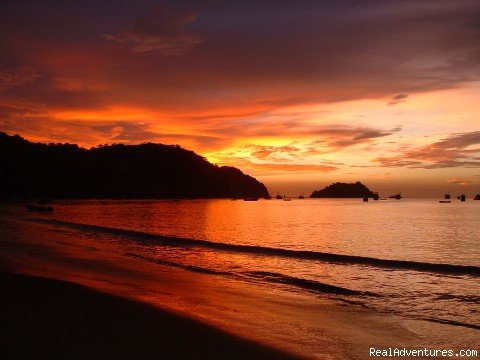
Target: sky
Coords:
[[298, 94]]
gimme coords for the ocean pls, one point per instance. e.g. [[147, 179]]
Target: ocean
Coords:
[[399, 272]]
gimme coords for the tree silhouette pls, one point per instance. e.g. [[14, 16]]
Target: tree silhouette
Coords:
[[35, 170], [343, 190]]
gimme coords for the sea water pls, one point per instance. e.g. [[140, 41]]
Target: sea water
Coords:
[[416, 259]]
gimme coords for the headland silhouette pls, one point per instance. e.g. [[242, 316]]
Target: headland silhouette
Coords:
[[67, 171]]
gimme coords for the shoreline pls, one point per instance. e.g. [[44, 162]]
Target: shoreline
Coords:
[[46, 318], [275, 315]]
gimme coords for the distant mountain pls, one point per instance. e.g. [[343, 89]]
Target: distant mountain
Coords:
[[343, 190], [35, 170]]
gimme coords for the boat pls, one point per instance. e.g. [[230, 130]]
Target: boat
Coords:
[[39, 208], [445, 201], [279, 197], [462, 197], [301, 197], [287, 199], [250, 198], [447, 196], [396, 196], [477, 197], [376, 196], [365, 199]]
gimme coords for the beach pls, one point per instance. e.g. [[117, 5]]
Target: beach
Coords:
[[240, 179], [44, 318]]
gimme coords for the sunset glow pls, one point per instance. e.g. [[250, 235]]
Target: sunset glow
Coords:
[[296, 95]]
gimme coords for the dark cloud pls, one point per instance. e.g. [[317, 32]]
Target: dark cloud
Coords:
[[10, 78], [366, 134], [331, 135], [303, 52], [164, 31], [398, 99], [453, 151], [341, 136], [332, 138]]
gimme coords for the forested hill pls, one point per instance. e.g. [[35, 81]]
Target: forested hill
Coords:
[[343, 190], [66, 171]]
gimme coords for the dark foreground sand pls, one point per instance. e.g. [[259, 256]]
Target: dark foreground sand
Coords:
[[50, 319]]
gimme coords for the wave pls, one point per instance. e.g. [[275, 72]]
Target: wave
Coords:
[[451, 322], [271, 277], [473, 299], [270, 251], [193, 268], [311, 285]]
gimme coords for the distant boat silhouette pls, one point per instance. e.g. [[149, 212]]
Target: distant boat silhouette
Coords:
[[396, 196], [287, 199], [365, 199], [279, 197], [445, 201], [477, 197], [250, 199], [375, 196], [447, 196], [462, 197], [301, 197]]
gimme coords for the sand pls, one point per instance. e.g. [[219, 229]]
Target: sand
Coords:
[[51, 319]]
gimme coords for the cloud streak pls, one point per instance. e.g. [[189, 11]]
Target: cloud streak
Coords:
[[397, 99], [460, 181], [457, 150]]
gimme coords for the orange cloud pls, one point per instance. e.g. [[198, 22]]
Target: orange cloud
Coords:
[[284, 91], [271, 168], [460, 181]]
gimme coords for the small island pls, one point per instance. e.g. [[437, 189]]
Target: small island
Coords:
[[343, 190]]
